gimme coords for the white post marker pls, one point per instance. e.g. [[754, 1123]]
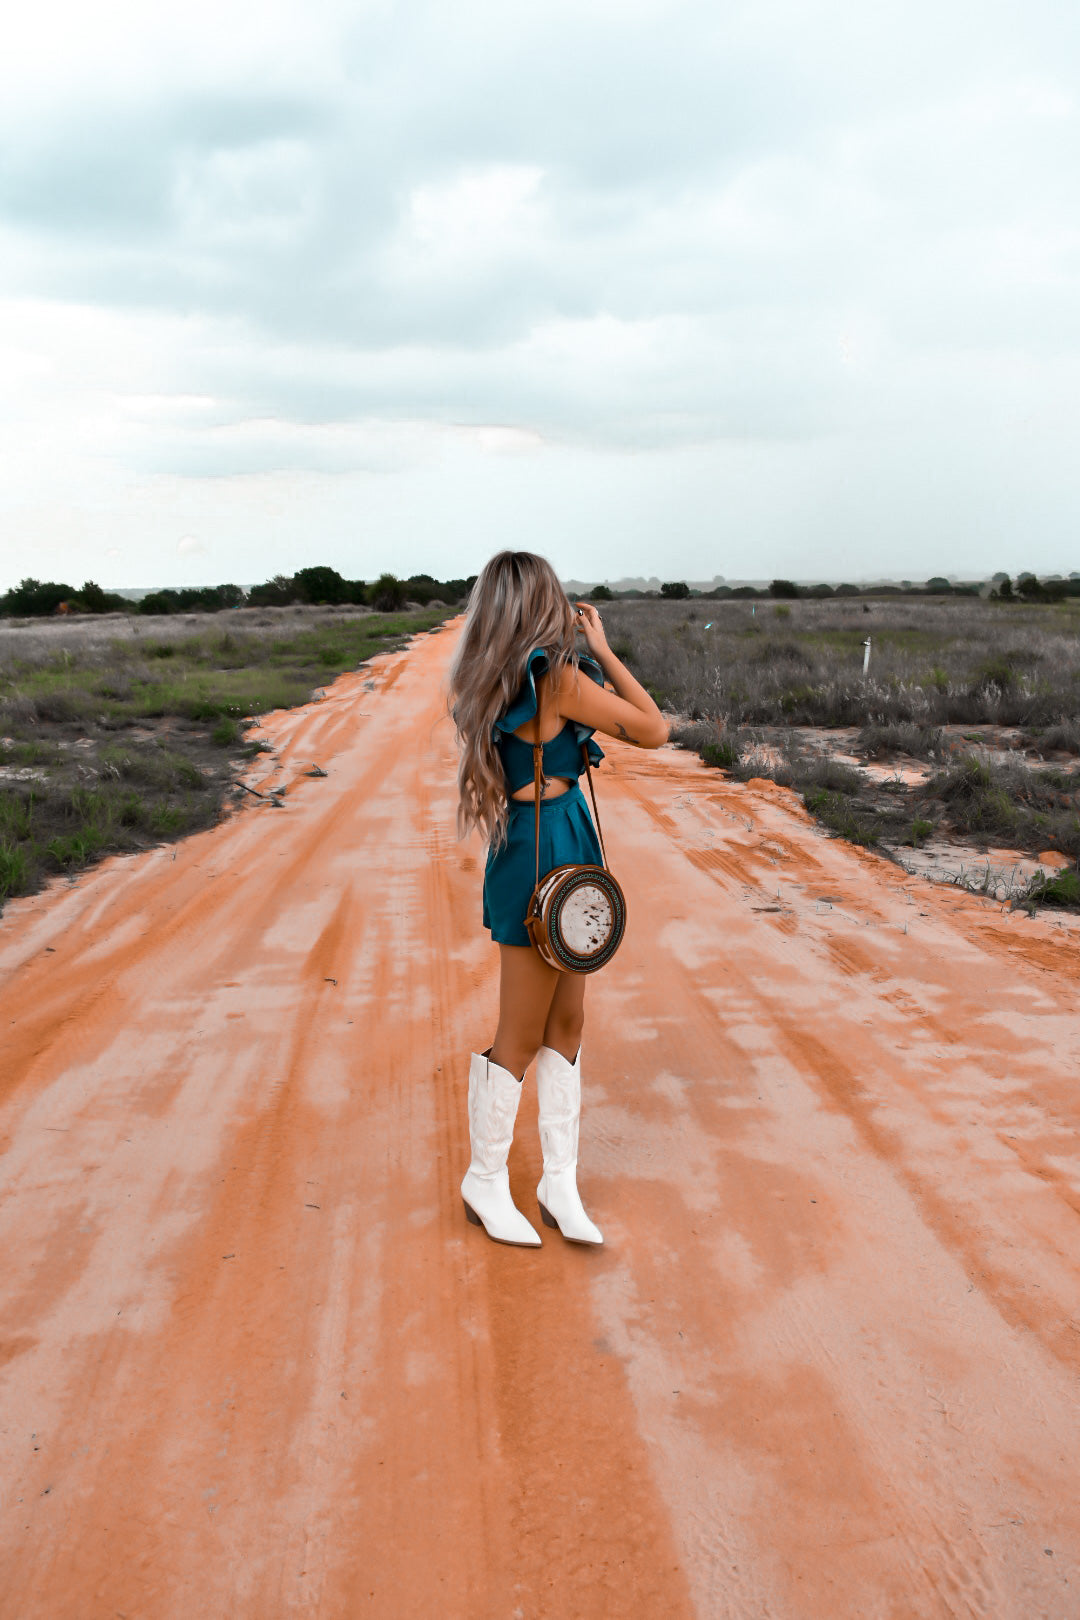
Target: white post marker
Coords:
[[866, 656]]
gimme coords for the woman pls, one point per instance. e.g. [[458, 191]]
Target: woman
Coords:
[[517, 669]]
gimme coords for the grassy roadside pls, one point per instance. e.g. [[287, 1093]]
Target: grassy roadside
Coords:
[[114, 737], [975, 703], [972, 798], [933, 662]]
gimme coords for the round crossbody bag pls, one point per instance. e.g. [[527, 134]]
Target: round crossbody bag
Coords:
[[577, 914]]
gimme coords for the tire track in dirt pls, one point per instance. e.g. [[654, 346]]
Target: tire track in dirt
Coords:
[[336, 1412], [254, 1362], [896, 1528], [853, 959]]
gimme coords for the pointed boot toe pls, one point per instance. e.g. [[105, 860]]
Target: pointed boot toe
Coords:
[[489, 1204], [494, 1095], [558, 1091], [561, 1207]]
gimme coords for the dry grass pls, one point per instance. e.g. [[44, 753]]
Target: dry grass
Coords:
[[932, 663], [118, 732], [102, 637], [744, 677]]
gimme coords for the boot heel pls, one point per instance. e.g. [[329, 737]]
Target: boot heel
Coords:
[[548, 1220], [471, 1216]]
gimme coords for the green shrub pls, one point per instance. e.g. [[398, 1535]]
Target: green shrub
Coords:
[[1063, 889], [155, 767], [75, 849], [724, 754], [996, 671], [799, 702], [838, 813], [831, 774], [63, 705], [962, 782], [166, 820], [899, 737], [16, 815], [387, 594], [13, 869], [980, 798]]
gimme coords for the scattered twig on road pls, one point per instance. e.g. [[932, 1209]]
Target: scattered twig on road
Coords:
[[274, 797]]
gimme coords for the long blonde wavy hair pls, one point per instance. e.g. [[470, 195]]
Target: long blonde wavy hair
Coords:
[[516, 604]]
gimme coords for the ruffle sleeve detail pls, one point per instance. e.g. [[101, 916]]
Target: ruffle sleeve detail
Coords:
[[591, 668], [524, 705]]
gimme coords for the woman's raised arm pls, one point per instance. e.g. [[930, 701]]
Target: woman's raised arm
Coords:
[[628, 712]]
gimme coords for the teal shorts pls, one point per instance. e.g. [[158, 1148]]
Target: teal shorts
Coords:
[[567, 838]]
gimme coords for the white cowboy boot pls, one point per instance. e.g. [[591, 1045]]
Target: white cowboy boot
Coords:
[[558, 1090], [494, 1094]]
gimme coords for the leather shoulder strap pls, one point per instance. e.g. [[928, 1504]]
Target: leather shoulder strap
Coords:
[[596, 812], [538, 776]]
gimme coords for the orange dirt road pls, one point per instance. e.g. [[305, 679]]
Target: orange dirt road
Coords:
[[255, 1363]]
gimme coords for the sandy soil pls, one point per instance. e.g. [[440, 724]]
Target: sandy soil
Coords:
[[255, 1362]]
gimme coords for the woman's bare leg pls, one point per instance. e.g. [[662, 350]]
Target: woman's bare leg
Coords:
[[566, 1016], [527, 987]]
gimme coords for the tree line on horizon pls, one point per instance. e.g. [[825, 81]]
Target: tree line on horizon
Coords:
[[324, 586], [315, 586], [1028, 588]]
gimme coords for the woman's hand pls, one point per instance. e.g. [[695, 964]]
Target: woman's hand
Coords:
[[628, 711], [591, 626]]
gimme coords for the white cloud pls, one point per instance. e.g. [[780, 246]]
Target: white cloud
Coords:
[[762, 258], [477, 214]]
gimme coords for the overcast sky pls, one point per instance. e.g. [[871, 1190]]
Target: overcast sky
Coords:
[[777, 287]]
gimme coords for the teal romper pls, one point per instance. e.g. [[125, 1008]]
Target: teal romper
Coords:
[[567, 834]]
